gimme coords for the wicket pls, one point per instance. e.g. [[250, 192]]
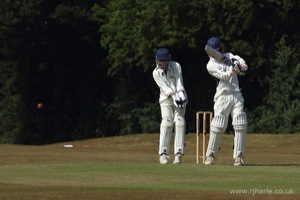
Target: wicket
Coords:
[[203, 115]]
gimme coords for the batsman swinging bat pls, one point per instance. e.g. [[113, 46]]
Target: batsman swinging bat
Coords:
[[217, 55]]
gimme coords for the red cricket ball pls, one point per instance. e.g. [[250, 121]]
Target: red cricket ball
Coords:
[[40, 106]]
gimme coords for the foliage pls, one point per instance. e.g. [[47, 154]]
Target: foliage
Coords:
[[90, 63], [134, 29], [182, 27], [9, 103], [281, 109], [59, 63]]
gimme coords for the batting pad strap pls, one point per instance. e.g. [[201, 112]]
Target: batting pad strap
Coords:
[[240, 121], [219, 123]]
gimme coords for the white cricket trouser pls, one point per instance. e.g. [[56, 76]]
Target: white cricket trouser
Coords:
[[170, 115], [225, 105]]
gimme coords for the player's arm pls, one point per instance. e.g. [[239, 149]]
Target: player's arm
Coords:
[[181, 95], [179, 78], [239, 66], [243, 67], [222, 74], [159, 77]]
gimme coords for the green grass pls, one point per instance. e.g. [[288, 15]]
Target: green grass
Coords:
[[127, 167]]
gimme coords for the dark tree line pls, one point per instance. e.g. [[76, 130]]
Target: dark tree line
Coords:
[[90, 63]]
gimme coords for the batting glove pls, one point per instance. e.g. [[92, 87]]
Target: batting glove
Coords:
[[179, 99], [244, 69], [236, 68]]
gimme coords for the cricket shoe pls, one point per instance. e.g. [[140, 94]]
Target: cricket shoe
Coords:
[[239, 161], [209, 160], [163, 159], [177, 159]]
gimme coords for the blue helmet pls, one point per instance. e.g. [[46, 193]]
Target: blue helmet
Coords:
[[163, 58], [215, 43], [163, 54]]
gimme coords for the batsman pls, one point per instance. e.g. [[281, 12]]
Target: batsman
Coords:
[[173, 100], [228, 100]]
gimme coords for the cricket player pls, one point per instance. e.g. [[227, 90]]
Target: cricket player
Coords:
[[173, 100], [228, 100]]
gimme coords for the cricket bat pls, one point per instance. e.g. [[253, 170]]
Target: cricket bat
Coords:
[[217, 55]]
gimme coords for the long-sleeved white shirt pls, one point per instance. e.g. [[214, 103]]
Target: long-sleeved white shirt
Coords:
[[170, 81], [228, 82]]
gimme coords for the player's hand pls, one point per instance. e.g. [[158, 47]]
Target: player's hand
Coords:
[[179, 99], [242, 66], [244, 69], [236, 67], [175, 99]]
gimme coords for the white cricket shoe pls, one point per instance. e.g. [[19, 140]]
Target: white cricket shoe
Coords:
[[163, 159], [238, 161], [209, 160], [177, 159]]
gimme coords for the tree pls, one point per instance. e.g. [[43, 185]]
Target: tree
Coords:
[[131, 33], [11, 102], [57, 60], [280, 111], [133, 30], [90, 62]]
